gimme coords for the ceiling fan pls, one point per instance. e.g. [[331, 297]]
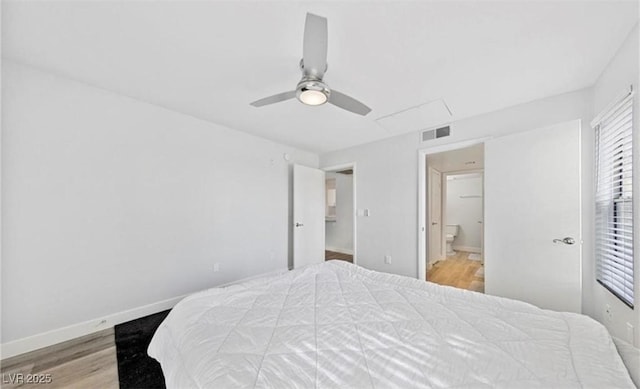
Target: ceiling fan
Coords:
[[311, 90]]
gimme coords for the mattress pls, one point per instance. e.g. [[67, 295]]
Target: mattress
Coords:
[[337, 325]]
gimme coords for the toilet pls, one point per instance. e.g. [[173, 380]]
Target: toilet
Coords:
[[452, 232]]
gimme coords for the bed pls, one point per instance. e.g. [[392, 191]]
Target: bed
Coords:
[[337, 325]]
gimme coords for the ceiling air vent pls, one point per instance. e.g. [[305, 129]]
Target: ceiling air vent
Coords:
[[437, 133]]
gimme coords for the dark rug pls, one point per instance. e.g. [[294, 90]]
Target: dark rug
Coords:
[[137, 370]]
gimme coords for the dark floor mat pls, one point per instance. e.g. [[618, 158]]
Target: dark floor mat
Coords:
[[136, 369]]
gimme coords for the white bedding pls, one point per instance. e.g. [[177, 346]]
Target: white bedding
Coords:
[[336, 325]]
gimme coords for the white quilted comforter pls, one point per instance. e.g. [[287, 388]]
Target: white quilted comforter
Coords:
[[336, 325]]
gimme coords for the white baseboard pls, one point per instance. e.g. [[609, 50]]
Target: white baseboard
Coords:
[[49, 338], [470, 249], [339, 250]]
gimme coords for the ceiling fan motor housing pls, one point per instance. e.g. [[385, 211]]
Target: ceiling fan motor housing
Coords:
[[313, 73]]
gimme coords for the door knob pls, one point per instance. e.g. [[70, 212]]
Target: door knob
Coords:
[[299, 225], [433, 223], [567, 240]]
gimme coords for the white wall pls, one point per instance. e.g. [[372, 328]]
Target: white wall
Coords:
[[622, 71], [465, 211], [339, 233], [387, 178], [110, 203]]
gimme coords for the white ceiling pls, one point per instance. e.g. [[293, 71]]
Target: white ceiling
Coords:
[[210, 59]]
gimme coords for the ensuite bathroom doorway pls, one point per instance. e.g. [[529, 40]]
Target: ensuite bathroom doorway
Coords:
[[456, 218]]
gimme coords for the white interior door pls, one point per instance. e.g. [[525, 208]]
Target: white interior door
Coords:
[[532, 202], [308, 216], [435, 215]]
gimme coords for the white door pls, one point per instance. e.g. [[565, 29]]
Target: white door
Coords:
[[435, 215], [308, 216], [532, 203]]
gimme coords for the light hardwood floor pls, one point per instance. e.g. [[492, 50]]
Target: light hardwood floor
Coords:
[[458, 271], [86, 362], [335, 255]]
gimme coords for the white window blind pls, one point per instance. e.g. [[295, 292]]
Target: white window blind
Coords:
[[614, 199]]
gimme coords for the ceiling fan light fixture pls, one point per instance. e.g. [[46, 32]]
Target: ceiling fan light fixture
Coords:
[[312, 97], [312, 92]]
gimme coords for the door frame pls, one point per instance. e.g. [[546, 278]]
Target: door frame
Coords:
[[349, 165], [442, 253], [422, 196]]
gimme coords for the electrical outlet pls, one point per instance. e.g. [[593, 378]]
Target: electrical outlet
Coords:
[[387, 259], [608, 315], [216, 267]]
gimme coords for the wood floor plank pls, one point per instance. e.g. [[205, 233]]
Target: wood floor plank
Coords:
[[97, 370], [328, 255], [458, 271], [62, 352], [85, 362]]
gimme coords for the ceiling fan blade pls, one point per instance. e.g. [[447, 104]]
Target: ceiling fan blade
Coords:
[[349, 103], [314, 50], [274, 99]]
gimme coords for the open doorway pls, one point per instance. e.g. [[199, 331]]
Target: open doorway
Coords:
[[340, 213], [455, 208]]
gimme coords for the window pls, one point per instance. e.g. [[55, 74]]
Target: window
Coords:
[[614, 199]]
